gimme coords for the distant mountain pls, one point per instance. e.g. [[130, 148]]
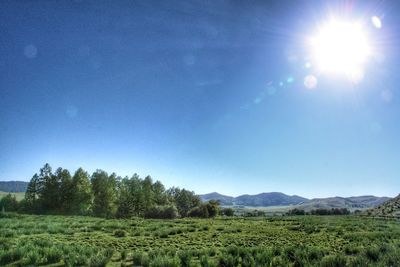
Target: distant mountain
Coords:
[[263, 199], [280, 199], [360, 202], [224, 200], [390, 208], [13, 186], [269, 199]]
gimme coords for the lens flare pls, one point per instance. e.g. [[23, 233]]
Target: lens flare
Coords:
[[310, 81], [340, 47], [376, 22]]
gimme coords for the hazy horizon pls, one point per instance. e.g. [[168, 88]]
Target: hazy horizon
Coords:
[[213, 97]]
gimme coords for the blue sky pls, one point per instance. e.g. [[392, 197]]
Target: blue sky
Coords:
[[203, 95]]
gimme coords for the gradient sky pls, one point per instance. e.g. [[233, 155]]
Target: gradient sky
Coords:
[[206, 95]]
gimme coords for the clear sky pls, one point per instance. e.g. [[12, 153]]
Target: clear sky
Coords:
[[206, 95]]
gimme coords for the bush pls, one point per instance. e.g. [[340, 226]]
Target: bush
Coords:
[[140, 259], [372, 253], [119, 233], [162, 212], [205, 261], [185, 256], [101, 259], [263, 258], [165, 261], [227, 212], [31, 258], [333, 261], [228, 260], [123, 254], [53, 254]]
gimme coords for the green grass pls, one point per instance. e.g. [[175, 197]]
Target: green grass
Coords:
[[271, 241], [19, 195]]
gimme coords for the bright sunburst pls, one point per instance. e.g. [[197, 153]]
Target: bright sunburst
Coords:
[[341, 47]]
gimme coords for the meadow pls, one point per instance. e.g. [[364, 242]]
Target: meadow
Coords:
[[32, 240], [19, 196]]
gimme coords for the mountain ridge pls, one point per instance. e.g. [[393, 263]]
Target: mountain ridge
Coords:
[[390, 208], [13, 186], [280, 199]]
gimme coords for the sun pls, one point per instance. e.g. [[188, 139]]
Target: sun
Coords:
[[340, 47]]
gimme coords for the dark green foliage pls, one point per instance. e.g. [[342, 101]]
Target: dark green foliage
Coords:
[[141, 259], [372, 253], [82, 193], [9, 203], [205, 261], [107, 196], [227, 212], [162, 212], [119, 233], [333, 211], [209, 209], [32, 202], [185, 258], [296, 212], [333, 261], [164, 261], [184, 200], [65, 190], [104, 194]]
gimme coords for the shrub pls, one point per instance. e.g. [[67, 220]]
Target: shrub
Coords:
[[123, 254], [333, 261], [314, 254], [372, 253], [119, 233], [141, 259], [227, 212], [6, 257], [31, 258], [248, 261], [360, 261], [227, 260], [185, 256], [53, 254], [165, 261], [162, 212], [100, 259], [263, 258], [205, 261]]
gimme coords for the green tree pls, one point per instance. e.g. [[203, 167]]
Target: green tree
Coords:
[[82, 193], [212, 207], [148, 195], [66, 191], [49, 189], [9, 203], [126, 205], [104, 193], [184, 200], [160, 196], [32, 195], [228, 212]]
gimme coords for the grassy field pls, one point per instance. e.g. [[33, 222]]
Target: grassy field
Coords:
[[19, 195], [274, 241]]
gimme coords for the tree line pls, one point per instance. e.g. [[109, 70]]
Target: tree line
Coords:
[[106, 195], [320, 211]]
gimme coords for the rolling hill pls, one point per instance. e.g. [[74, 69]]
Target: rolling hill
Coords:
[[390, 208], [352, 203], [280, 199], [259, 200], [13, 186]]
